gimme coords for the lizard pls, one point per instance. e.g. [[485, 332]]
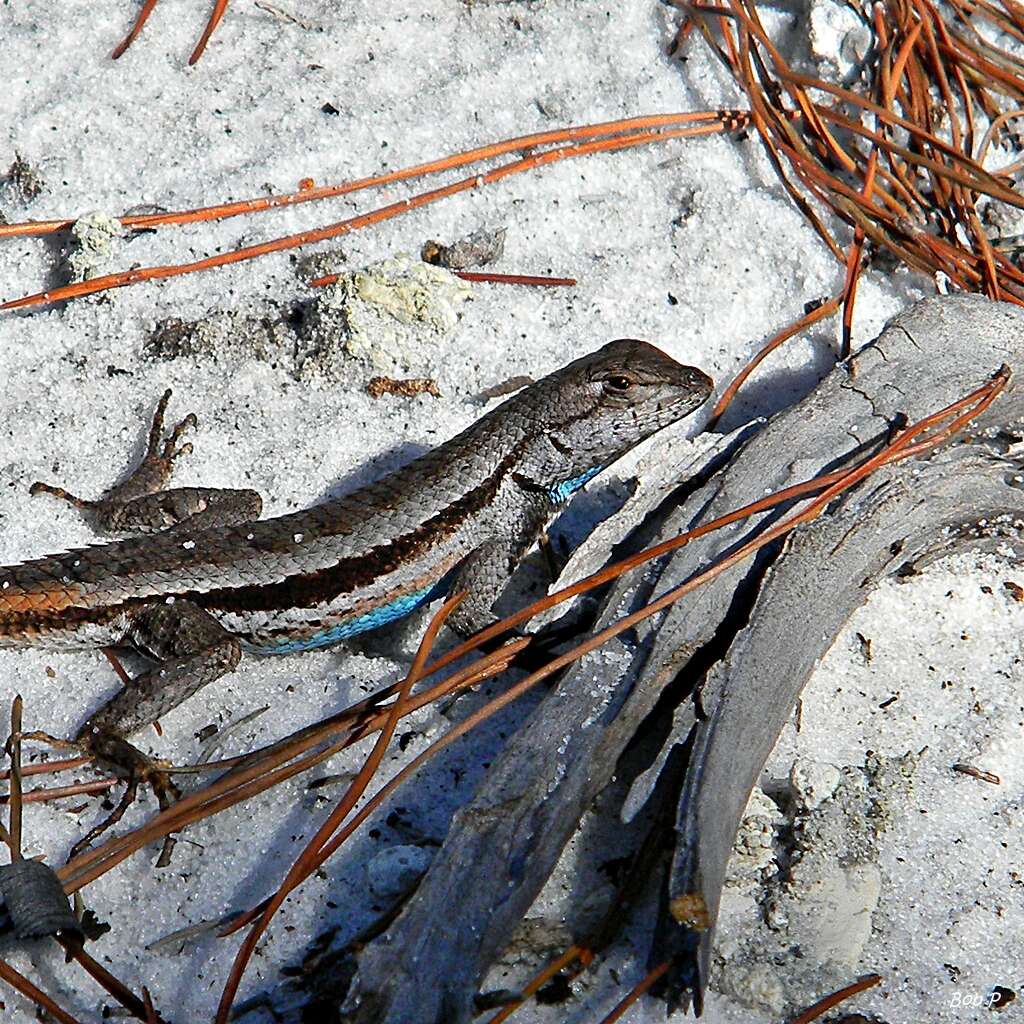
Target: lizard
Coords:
[[206, 579]]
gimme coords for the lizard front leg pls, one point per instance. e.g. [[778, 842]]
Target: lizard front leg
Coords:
[[192, 649], [485, 573], [140, 503]]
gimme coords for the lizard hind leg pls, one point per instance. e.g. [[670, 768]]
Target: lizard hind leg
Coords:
[[192, 649], [153, 472], [141, 502]]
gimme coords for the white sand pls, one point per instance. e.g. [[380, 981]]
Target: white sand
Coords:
[[702, 221]]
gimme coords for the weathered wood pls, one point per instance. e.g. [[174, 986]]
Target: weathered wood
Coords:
[[823, 575], [926, 358]]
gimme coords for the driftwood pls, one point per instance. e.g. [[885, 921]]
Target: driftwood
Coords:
[[961, 498], [748, 640], [926, 358]]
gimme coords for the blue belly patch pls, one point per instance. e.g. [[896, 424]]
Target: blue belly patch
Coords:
[[401, 606], [567, 488], [381, 616]]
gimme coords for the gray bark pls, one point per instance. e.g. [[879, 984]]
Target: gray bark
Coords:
[[824, 573]]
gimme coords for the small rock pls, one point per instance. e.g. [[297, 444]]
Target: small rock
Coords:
[[813, 782], [477, 250], [95, 235], [384, 315]]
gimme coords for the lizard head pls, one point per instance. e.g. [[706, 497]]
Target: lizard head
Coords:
[[603, 404]]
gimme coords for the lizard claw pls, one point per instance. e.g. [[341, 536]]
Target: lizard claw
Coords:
[[138, 769]]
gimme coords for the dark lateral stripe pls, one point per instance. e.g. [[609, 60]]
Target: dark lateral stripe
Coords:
[[307, 590], [67, 620]]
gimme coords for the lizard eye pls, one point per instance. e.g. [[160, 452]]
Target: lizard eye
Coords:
[[618, 383]]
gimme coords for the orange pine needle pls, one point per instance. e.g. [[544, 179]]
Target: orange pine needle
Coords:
[[473, 275], [46, 767], [812, 1013], [635, 993], [572, 954], [38, 796], [807, 320], [211, 26], [527, 279], [133, 33]]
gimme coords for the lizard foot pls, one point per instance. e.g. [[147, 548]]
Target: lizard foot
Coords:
[[113, 511], [161, 453], [138, 769]]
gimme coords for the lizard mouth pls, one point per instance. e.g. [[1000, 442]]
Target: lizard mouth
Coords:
[[700, 378]]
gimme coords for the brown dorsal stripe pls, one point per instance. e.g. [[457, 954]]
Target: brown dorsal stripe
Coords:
[[307, 590]]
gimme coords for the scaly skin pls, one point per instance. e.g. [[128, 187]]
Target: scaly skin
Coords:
[[218, 580], [280, 583]]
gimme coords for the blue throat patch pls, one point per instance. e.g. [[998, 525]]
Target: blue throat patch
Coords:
[[565, 490]]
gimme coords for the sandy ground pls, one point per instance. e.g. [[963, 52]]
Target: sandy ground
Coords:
[[691, 245]]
